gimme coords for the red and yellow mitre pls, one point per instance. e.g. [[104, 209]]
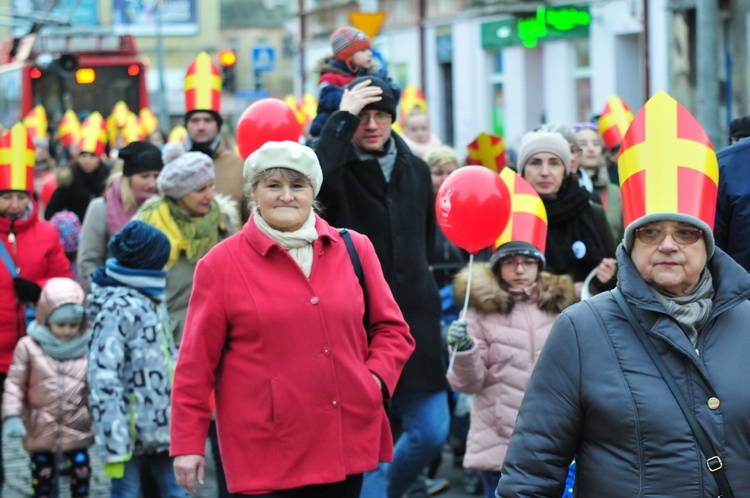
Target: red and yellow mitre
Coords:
[[147, 121], [668, 169], [528, 217], [488, 151], [131, 132], [17, 159], [36, 122], [70, 128], [411, 98], [177, 135], [614, 121], [203, 85], [93, 135]]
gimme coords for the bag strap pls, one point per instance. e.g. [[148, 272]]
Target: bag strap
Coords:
[[7, 260], [357, 264], [714, 463]]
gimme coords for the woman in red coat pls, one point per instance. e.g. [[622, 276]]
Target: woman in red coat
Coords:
[[275, 326], [31, 247]]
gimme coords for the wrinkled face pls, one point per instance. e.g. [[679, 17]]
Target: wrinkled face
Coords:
[[667, 264], [144, 181], [591, 148], [519, 271], [198, 202], [88, 162], [545, 172], [374, 130], [65, 331], [417, 127], [362, 58], [440, 173], [13, 203], [202, 127], [284, 203]]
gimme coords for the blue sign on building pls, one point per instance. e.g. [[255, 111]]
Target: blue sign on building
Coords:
[[264, 59]]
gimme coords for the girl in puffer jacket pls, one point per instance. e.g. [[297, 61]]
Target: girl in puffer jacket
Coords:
[[512, 307], [46, 394]]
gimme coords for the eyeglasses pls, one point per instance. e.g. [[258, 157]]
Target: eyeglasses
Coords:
[[586, 126], [513, 262], [655, 235], [380, 118]]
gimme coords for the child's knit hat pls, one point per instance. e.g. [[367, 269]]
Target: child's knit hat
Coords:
[[346, 41]]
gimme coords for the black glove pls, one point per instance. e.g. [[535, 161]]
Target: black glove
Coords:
[[26, 290]]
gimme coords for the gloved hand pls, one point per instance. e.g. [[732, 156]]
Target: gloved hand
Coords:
[[458, 337], [114, 470], [26, 290], [13, 427]]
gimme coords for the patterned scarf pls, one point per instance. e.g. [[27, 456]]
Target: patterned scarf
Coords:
[[297, 243], [54, 347], [117, 215], [151, 283], [194, 236], [691, 310]]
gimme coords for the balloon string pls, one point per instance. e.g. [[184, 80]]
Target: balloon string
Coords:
[[462, 315]]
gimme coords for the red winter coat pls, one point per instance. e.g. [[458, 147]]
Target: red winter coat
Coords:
[[296, 403], [39, 255]]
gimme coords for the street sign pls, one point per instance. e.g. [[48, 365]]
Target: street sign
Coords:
[[367, 22], [264, 59]]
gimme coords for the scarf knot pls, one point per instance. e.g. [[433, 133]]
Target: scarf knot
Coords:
[[297, 243], [691, 311]]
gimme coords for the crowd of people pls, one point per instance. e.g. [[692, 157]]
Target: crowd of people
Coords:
[[298, 310]]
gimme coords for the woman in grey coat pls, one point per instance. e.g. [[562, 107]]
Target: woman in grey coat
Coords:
[[597, 395]]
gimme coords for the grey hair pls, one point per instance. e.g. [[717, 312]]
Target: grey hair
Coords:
[[287, 174]]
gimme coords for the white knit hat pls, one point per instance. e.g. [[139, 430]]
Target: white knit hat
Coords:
[[184, 171], [543, 141], [287, 154]]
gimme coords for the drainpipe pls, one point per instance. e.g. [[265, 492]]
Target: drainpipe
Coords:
[[301, 48], [422, 64]]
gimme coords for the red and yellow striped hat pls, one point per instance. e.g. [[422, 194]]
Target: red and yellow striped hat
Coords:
[[526, 232], [70, 128], [668, 170], [203, 86], [614, 121], [36, 122], [17, 159], [93, 135]]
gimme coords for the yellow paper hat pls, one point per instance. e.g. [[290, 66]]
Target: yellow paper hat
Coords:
[[17, 159], [93, 135], [203, 85]]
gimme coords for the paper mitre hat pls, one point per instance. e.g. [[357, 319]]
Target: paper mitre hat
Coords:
[[17, 159], [614, 121], [70, 128], [36, 122], [488, 151], [203, 85], [526, 232], [668, 170], [93, 135]]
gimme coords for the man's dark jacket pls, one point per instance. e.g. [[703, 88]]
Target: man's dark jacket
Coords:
[[399, 218], [732, 227]]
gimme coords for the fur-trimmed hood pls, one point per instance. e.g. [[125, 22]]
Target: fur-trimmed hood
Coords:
[[555, 292]]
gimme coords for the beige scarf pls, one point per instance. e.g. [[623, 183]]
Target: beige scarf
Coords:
[[297, 243]]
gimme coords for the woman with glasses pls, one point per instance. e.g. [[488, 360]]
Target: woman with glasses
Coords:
[[596, 391], [513, 304], [594, 164], [579, 238]]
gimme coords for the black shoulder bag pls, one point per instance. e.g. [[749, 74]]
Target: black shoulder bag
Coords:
[[713, 461], [357, 264]]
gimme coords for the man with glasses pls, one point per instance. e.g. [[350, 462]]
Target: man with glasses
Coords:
[[372, 183]]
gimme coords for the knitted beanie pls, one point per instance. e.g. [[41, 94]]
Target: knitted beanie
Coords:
[[287, 154], [543, 141], [69, 226], [140, 156], [629, 237], [184, 171], [67, 313], [516, 248], [347, 41], [140, 245], [387, 102]]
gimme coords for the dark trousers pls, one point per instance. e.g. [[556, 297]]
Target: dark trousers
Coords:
[[2, 390], [221, 479], [43, 472], [349, 488]]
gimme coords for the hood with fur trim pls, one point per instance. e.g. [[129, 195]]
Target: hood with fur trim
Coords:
[[555, 292]]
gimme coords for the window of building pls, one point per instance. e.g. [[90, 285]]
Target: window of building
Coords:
[[497, 80], [582, 76]]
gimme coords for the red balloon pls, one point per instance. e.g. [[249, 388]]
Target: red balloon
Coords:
[[473, 207], [267, 120]]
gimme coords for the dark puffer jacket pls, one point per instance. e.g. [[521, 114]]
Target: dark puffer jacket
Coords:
[[596, 395]]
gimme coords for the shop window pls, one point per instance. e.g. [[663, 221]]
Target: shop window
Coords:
[[497, 80]]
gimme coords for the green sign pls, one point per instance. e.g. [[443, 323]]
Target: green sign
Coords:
[[549, 23]]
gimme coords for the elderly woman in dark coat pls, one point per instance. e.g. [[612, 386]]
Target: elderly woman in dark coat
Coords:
[[596, 393]]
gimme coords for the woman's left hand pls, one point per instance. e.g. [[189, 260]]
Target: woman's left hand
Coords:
[[607, 269]]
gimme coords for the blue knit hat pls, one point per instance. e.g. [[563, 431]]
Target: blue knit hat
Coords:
[[140, 245]]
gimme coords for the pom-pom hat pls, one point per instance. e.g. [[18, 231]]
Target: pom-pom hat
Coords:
[[347, 41], [668, 170], [184, 171], [140, 245]]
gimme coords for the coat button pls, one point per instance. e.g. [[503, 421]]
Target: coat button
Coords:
[[334, 403], [326, 351], [314, 300], [713, 403]]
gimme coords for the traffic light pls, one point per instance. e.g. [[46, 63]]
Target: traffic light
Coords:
[[228, 59]]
